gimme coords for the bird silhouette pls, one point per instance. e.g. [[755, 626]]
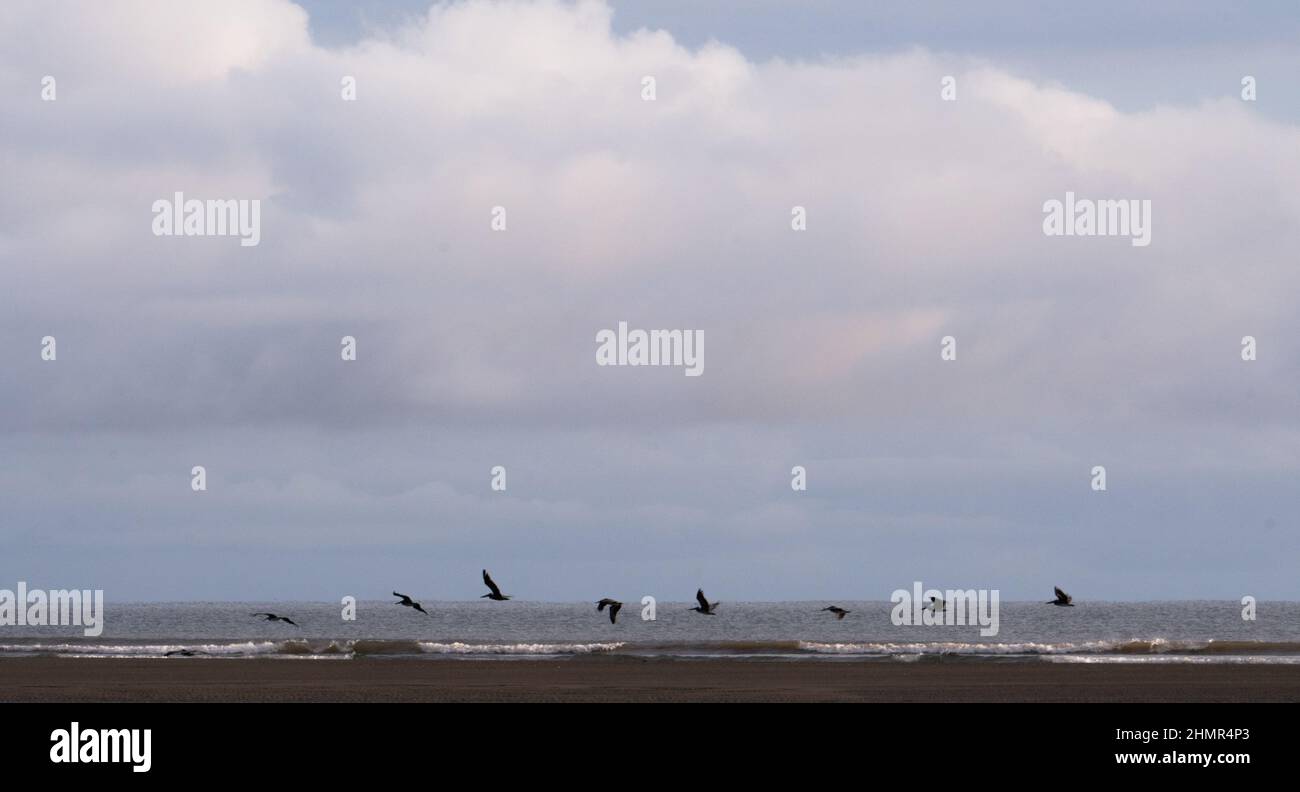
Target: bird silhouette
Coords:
[[839, 612], [705, 606], [407, 602], [1062, 599], [496, 592], [271, 617], [614, 606]]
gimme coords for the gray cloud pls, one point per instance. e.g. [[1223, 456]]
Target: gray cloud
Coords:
[[477, 348]]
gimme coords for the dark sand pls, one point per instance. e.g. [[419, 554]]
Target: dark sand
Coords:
[[43, 679]]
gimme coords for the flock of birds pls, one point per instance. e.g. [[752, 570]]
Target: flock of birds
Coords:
[[705, 607]]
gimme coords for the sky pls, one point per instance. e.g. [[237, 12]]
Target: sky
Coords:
[[476, 347]]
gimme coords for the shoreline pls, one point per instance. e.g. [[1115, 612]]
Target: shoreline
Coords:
[[629, 679]]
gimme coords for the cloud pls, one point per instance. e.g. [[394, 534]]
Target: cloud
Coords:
[[924, 220]]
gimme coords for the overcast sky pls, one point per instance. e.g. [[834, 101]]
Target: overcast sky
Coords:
[[476, 347]]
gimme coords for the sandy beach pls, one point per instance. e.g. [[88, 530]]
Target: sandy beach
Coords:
[[605, 679]]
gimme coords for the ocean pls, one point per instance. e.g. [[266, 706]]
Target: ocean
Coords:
[[1090, 632]]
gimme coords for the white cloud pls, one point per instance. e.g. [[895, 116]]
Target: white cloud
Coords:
[[924, 221]]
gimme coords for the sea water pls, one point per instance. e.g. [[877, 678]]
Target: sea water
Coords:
[[1090, 632]]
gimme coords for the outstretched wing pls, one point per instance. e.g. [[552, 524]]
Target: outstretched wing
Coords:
[[403, 596], [261, 614], [613, 611], [487, 579], [699, 597], [1061, 595]]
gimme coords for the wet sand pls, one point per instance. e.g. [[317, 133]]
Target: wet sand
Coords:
[[599, 679]]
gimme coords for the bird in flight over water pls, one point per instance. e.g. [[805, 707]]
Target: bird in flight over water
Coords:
[[1062, 599], [271, 617], [407, 602], [839, 612], [705, 606], [496, 592], [614, 605]]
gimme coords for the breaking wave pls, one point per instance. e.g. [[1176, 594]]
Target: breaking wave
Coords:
[[304, 649], [1132, 650], [1152, 646]]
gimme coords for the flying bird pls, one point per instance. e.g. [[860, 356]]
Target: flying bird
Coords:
[[839, 612], [705, 606], [407, 602], [496, 592], [937, 605], [271, 617], [1062, 599], [614, 605]]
